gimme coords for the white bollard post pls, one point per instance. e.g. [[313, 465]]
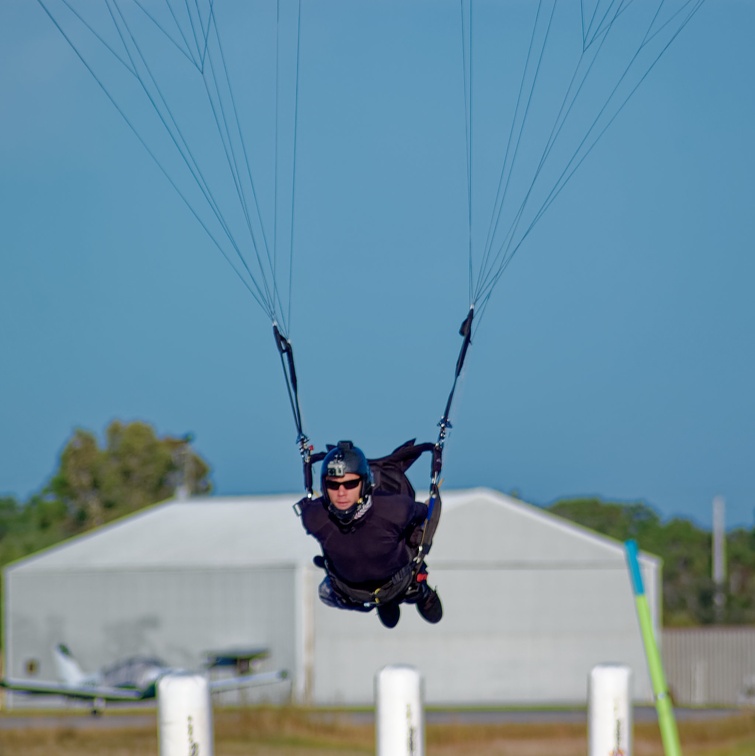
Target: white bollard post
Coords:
[[610, 711], [184, 711], [400, 714]]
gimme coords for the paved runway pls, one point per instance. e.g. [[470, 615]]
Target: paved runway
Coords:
[[433, 716], [548, 716]]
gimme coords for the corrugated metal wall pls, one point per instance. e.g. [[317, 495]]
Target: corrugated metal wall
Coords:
[[710, 666], [176, 615], [532, 603], [509, 636]]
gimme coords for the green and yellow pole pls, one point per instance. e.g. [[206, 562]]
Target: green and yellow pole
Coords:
[[666, 721]]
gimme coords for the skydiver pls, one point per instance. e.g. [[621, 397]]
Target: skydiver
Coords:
[[367, 538]]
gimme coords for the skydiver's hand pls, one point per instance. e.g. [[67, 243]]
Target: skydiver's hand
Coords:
[[415, 537]]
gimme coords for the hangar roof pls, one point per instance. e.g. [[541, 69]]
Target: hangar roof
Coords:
[[479, 527]]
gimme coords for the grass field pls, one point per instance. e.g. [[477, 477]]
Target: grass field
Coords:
[[299, 732]]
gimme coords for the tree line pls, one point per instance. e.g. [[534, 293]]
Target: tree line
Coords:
[[134, 468], [686, 549], [95, 484]]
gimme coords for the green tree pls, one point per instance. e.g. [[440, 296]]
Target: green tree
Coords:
[[740, 593], [620, 521], [94, 485], [688, 588], [10, 515], [687, 583], [77, 481], [133, 470]]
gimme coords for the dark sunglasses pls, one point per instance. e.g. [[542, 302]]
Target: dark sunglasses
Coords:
[[349, 485]]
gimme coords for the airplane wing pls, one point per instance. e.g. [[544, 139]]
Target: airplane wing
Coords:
[[243, 659], [248, 681], [86, 692]]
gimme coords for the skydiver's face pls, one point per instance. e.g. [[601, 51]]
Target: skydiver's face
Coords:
[[342, 497]]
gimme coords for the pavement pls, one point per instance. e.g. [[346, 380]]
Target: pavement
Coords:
[[117, 720]]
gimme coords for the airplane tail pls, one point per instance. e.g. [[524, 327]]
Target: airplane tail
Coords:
[[67, 667]]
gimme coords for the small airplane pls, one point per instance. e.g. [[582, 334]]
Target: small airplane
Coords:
[[135, 679]]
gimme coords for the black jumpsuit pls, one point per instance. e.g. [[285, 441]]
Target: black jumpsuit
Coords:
[[369, 551]]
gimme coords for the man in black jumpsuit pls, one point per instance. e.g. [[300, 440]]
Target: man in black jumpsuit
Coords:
[[365, 537]]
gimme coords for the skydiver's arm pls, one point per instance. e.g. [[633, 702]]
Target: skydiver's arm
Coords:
[[413, 530]]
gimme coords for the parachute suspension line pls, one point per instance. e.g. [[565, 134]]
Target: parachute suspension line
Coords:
[[225, 134], [286, 351], [233, 162], [200, 47], [500, 260], [152, 155], [186, 153], [194, 54], [577, 159], [491, 271], [600, 30], [185, 50], [94, 33], [466, 54], [517, 140], [276, 150], [284, 345], [504, 254], [222, 120], [275, 143], [184, 150], [277, 308], [502, 189], [564, 178], [221, 124], [191, 39], [293, 167], [696, 6], [568, 171], [582, 19], [210, 24]]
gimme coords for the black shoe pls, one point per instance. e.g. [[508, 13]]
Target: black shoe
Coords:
[[389, 614], [428, 604]]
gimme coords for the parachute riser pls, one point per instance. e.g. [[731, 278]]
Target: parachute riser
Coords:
[[286, 351], [305, 450], [444, 425]]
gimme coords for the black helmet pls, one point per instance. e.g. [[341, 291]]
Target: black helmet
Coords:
[[343, 460]]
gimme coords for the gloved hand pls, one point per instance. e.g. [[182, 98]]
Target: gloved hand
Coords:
[[415, 537]]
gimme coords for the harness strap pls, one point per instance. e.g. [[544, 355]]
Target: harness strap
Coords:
[[465, 331], [286, 351], [395, 587], [430, 525]]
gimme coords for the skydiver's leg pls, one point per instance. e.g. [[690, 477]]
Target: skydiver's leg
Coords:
[[411, 596], [427, 600], [428, 604], [330, 597]]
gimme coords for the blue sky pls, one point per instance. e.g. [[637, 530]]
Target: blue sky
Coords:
[[614, 358]]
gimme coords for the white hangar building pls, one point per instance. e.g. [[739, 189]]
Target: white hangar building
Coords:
[[532, 602]]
